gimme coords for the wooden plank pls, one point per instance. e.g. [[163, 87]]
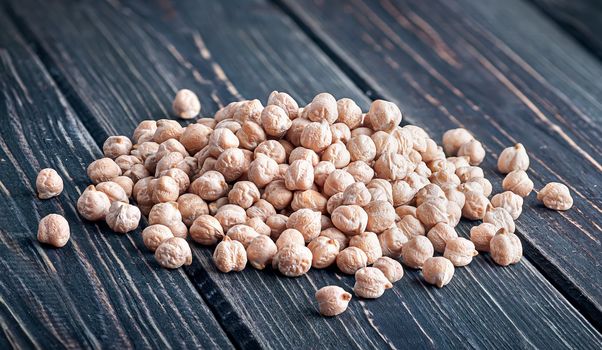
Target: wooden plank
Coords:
[[580, 18], [101, 290], [155, 49], [460, 63]]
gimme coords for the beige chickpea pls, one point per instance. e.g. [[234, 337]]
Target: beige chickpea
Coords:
[[444, 178], [123, 217], [321, 172], [309, 199], [127, 161], [272, 149], [442, 165], [362, 130], [277, 225], [186, 104], [460, 251], [438, 271], [191, 207], [481, 236], [116, 146], [383, 115], [474, 150], [126, 184], [259, 225], [338, 154], [289, 237], [350, 219], [299, 176], [304, 154], [349, 113], [169, 146], [284, 101], [93, 205], [242, 233], [340, 133], [103, 169], [137, 172], [220, 140], [316, 136], [391, 268], [210, 186], [324, 251], [351, 259], [181, 178], [440, 234], [294, 132], [432, 212], [500, 218], [53, 230], [475, 205], [416, 251], [113, 191], [361, 171], [505, 248], [518, 182], [249, 110], [385, 143], [154, 235], [510, 201], [332, 300], [206, 230], [167, 129], [144, 150], [215, 205], [513, 158], [453, 139], [384, 186], [164, 189], [227, 111], [230, 255], [262, 209], [485, 185], [416, 180], [337, 182], [173, 253], [453, 194], [333, 233], [459, 161], [144, 127], [466, 173], [454, 213], [392, 241], [168, 214], [263, 170], [278, 195], [361, 147], [307, 222], [419, 137], [429, 192], [261, 251], [411, 226], [322, 107], [369, 243], [381, 216], [244, 194], [404, 141], [393, 166], [356, 194], [293, 260], [231, 124], [334, 202], [370, 283], [250, 135], [404, 210], [230, 215], [195, 137], [168, 161], [275, 121], [207, 121], [48, 183], [432, 151], [555, 196]]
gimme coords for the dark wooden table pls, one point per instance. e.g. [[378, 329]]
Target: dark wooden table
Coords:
[[74, 72]]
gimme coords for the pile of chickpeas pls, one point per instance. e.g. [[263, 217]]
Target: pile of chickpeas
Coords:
[[292, 188]]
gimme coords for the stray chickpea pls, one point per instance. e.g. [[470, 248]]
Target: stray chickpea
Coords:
[[230, 255], [440, 234], [210, 186], [206, 230], [261, 251], [116, 146], [332, 300], [361, 147], [48, 183], [555, 196], [481, 236], [505, 248], [103, 169], [113, 191], [324, 251], [381, 216], [307, 222], [513, 158], [438, 271], [475, 205], [453, 139], [369, 243], [123, 217], [154, 235], [474, 150], [460, 251], [186, 104], [370, 283], [173, 252], [322, 107], [351, 259], [293, 260], [383, 116], [416, 251], [299, 176], [500, 218], [391, 268], [93, 205], [53, 230], [518, 182]]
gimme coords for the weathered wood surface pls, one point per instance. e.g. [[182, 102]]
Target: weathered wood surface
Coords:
[[581, 18], [121, 63], [461, 63], [101, 290]]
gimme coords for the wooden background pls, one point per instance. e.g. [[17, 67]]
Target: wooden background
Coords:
[[74, 72]]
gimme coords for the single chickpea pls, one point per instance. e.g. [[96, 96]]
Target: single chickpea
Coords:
[[381, 216], [284, 101], [321, 172], [481, 235], [404, 140], [168, 161], [454, 213], [275, 121], [392, 241], [510, 201], [404, 210], [127, 161], [505, 248], [385, 143], [438, 271], [349, 113], [475, 206], [263, 170], [116, 146], [186, 104], [180, 177], [210, 186], [168, 214], [411, 226], [272, 149], [164, 189], [307, 222], [460, 251], [230, 215], [393, 166], [207, 121], [385, 190], [242, 233], [113, 191], [93, 205], [154, 235], [332, 300], [479, 184], [370, 283], [383, 115], [261, 251], [277, 224], [500, 218], [227, 111], [53, 230], [513, 158], [459, 162], [467, 173], [356, 194], [123, 217], [518, 182], [259, 225], [137, 172], [453, 194], [432, 151], [338, 154], [195, 137], [145, 127], [419, 137], [555, 196], [278, 195], [191, 207], [444, 178], [433, 211], [417, 181], [340, 133], [322, 107], [474, 150], [309, 199], [440, 234], [294, 132], [103, 169], [220, 140], [293, 260], [333, 233], [361, 171], [416, 251], [249, 110], [304, 154], [230, 255], [351, 259], [369, 243], [453, 139], [391, 268], [48, 183], [361, 147], [350, 219], [125, 183], [299, 176], [244, 194], [337, 182], [167, 129], [250, 135], [206, 230], [334, 202], [324, 251], [316, 136]]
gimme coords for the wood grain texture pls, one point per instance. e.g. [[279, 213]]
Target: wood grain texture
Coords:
[[581, 18], [459, 63], [123, 63], [101, 290]]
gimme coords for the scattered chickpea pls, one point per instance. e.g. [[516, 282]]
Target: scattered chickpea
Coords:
[[460, 251], [361, 147], [173, 252], [513, 158], [481, 236], [438, 271], [206, 230], [391, 268], [410, 226], [230, 255], [316, 136], [555, 196], [416, 251], [154, 235], [432, 212], [332, 300], [210, 186], [113, 191], [370, 283], [505, 248], [299, 176], [123, 217], [229, 215], [453, 139], [53, 230], [164, 189], [93, 205], [48, 183], [518, 182], [186, 104], [474, 151]]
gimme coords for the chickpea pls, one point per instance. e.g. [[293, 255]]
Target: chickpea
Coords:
[[195, 137], [227, 111], [555, 196], [309, 199], [307, 222], [166, 214], [333, 233], [324, 251], [381, 216], [337, 182], [220, 140], [277, 224], [206, 230], [322, 107], [230, 215], [103, 169], [391, 268], [321, 172], [126, 184], [332, 300], [263, 170], [116, 146], [369, 243], [429, 192], [48, 183], [453, 194], [432, 151], [481, 235], [351, 259], [113, 191], [126, 162], [93, 205], [272, 149], [230, 255], [123, 217], [453, 139], [210, 186], [460, 251], [186, 104], [518, 182], [361, 147], [337, 154], [454, 213], [475, 206], [349, 113], [164, 189], [360, 171], [300, 176], [440, 234], [293, 260], [393, 166], [392, 241], [459, 162], [485, 185], [370, 283], [137, 172], [383, 115], [505, 248], [432, 212], [144, 127], [214, 206], [168, 161], [244, 194], [474, 151], [261, 251], [404, 210], [356, 194], [467, 173], [416, 251], [250, 135], [500, 218], [411, 226], [334, 202], [242, 233], [384, 186], [340, 133], [167, 129], [278, 195], [385, 143], [511, 202], [419, 137], [316, 136], [438, 271], [53, 230], [305, 154], [513, 158], [154, 235], [284, 101], [350, 219], [444, 178], [248, 111], [262, 209], [294, 132]]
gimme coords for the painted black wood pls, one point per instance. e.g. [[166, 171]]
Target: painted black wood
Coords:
[[581, 18], [101, 290], [506, 73]]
